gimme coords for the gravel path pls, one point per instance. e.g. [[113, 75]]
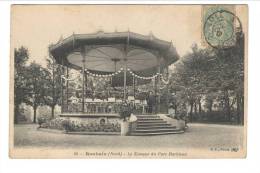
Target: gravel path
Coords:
[[197, 136]]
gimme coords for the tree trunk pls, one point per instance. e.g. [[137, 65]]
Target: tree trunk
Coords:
[[238, 109], [195, 108], [52, 111], [228, 111], [191, 110], [227, 105], [175, 108], [210, 106], [34, 113], [200, 113], [16, 113], [200, 109], [242, 110]]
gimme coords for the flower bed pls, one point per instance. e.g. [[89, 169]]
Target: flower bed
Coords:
[[76, 126], [53, 124]]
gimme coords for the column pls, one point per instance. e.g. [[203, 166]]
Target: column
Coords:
[[125, 61], [67, 89], [86, 87], [159, 82], [62, 96], [83, 53], [155, 95], [134, 88], [125, 70], [167, 90]]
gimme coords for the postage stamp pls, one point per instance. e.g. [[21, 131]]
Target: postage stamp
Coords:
[[128, 81], [219, 23]]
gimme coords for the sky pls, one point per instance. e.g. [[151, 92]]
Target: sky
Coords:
[[37, 26]]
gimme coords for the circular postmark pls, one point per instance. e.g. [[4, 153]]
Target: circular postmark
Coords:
[[220, 29]]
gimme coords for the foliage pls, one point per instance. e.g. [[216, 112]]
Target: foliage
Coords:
[[53, 84], [21, 56], [67, 125], [125, 111], [75, 126], [37, 78], [211, 76], [42, 120]]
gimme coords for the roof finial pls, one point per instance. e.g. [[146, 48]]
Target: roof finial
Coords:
[[61, 39], [151, 36], [100, 30], [50, 45]]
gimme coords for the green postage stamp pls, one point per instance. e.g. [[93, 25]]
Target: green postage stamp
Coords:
[[219, 25]]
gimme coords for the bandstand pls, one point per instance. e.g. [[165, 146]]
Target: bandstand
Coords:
[[126, 58]]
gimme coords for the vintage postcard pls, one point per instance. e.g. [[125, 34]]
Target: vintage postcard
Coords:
[[128, 81]]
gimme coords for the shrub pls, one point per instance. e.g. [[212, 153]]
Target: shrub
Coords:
[[67, 125], [44, 125], [41, 120], [125, 111]]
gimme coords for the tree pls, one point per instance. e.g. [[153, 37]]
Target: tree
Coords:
[[54, 84], [21, 56], [37, 78], [213, 74], [230, 66], [189, 79]]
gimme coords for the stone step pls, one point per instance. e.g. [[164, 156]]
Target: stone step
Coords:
[[149, 118], [154, 121], [157, 133], [153, 124], [155, 130], [155, 127], [159, 120]]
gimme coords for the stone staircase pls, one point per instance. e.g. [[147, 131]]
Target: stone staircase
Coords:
[[153, 125]]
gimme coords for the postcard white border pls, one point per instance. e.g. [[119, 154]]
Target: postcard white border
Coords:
[[250, 164]]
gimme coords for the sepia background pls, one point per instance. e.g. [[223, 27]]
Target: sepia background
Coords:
[[36, 27]]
